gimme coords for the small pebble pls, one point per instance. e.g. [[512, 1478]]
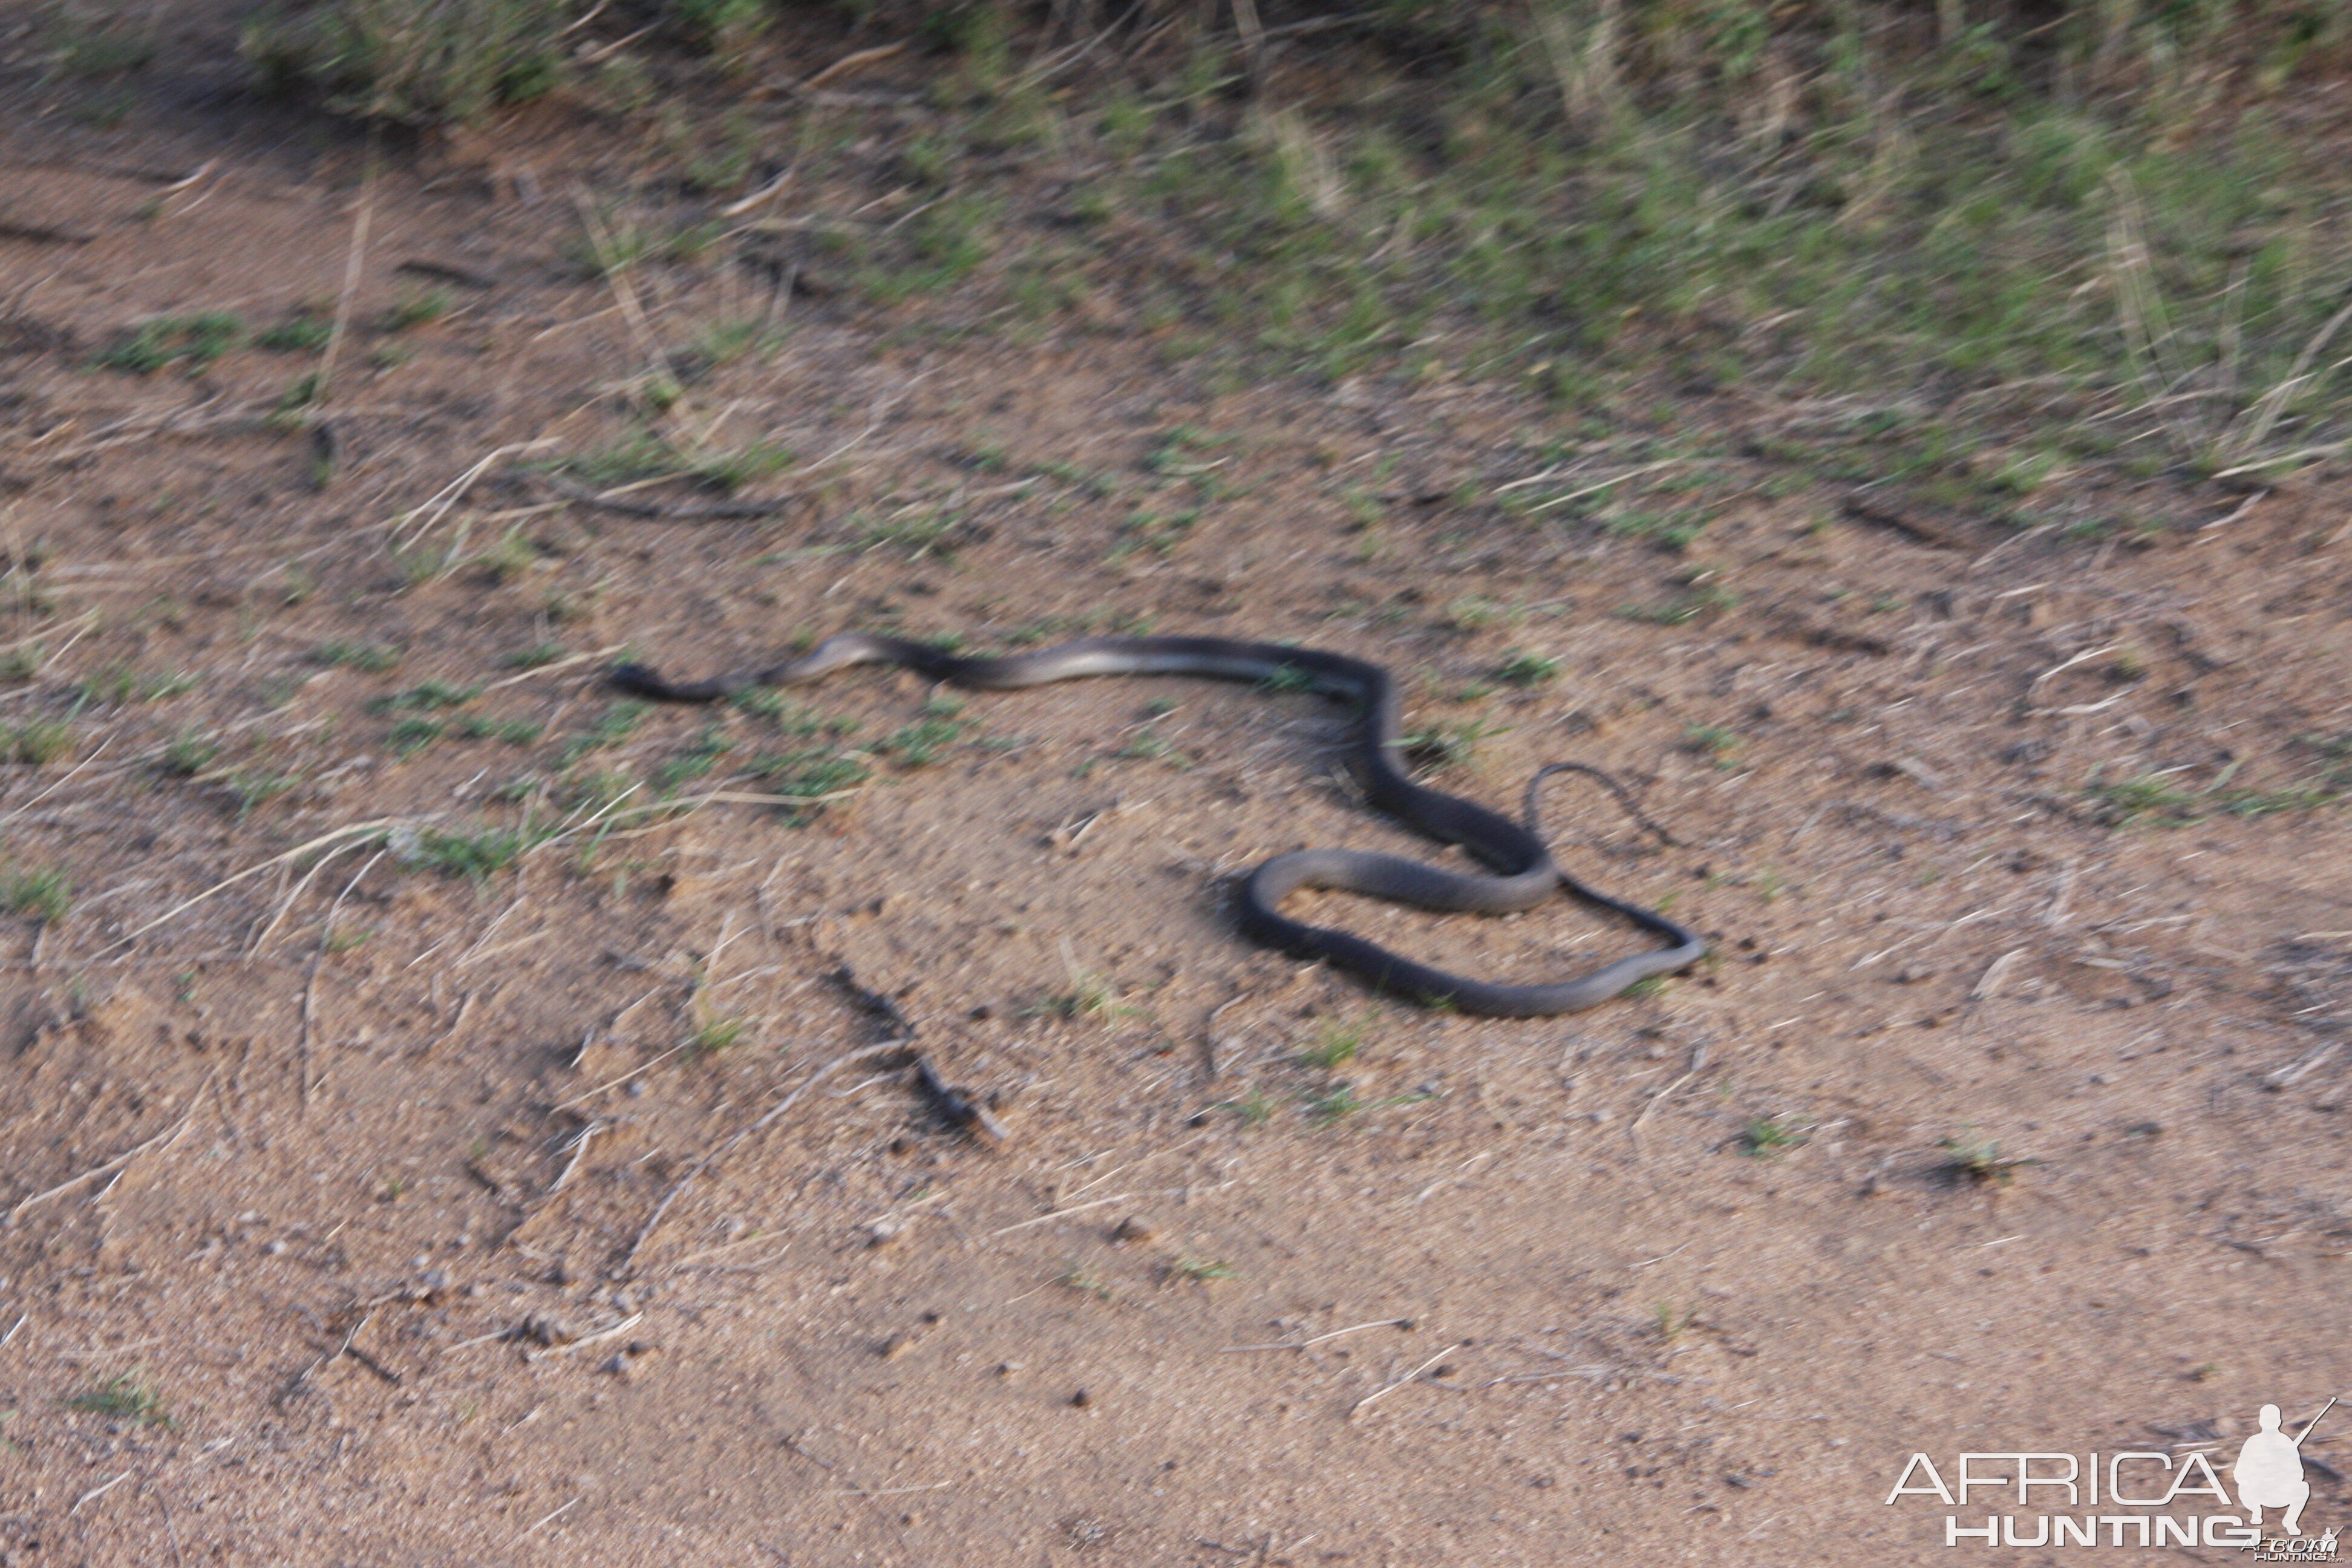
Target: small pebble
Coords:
[[1134, 1228], [1081, 1399]]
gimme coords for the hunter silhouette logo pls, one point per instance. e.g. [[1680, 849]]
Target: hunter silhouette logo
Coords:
[[2269, 1471], [2132, 1497]]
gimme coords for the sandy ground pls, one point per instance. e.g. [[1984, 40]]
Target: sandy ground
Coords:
[[373, 1283]]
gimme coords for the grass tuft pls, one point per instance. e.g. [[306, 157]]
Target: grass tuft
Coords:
[[45, 896], [128, 1397], [413, 62]]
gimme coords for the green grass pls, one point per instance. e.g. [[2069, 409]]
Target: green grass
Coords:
[[715, 1033], [1087, 1280], [196, 341], [426, 697], [36, 741], [920, 743], [1717, 744], [810, 774], [415, 62], [129, 1398], [1676, 531], [1442, 746], [1202, 1269], [120, 685], [645, 455], [1086, 998], [694, 762], [417, 308], [84, 47], [1529, 670], [611, 727], [413, 733], [374, 658], [1148, 744], [922, 530], [1979, 1160], [298, 333], [514, 731], [2161, 799], [43, 896], [1770, 1135], [1702, 598], [1336, 1042], [188, 753], [1254, 1108], [510, 557], [477, 855], [1341, 1101], [2040, 213]]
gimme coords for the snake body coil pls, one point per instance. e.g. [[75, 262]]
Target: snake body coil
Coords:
[[1521, 871]]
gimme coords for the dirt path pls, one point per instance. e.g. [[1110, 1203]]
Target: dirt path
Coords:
[[2009, 1115]]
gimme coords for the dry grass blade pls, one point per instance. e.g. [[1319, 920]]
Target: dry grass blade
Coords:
[[97, 1170], [669, 1199], [380, 825]]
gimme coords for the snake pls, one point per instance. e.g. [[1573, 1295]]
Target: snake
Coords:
[[1519, 873]]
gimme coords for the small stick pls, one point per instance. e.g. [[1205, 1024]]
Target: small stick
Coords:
[[300, 888], [96, 1492], [302, 1379], [310, 987], [551, 668], [1353, 1410], [850, 62], [171, 1530], [547, 1520], [61, 783], [296, 853], [1057, 1213], [1698, 1061], [354, 265], [90, 1175], [606, 500], [1335, 1333], [645, 1233], [615, 1082], [464, 1010], [579, 1153], [623, 1327]]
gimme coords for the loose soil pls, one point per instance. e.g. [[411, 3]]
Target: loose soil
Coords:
[[1685, 1279]]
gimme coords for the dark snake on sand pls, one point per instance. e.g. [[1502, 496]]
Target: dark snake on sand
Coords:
[[1521, 871]]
